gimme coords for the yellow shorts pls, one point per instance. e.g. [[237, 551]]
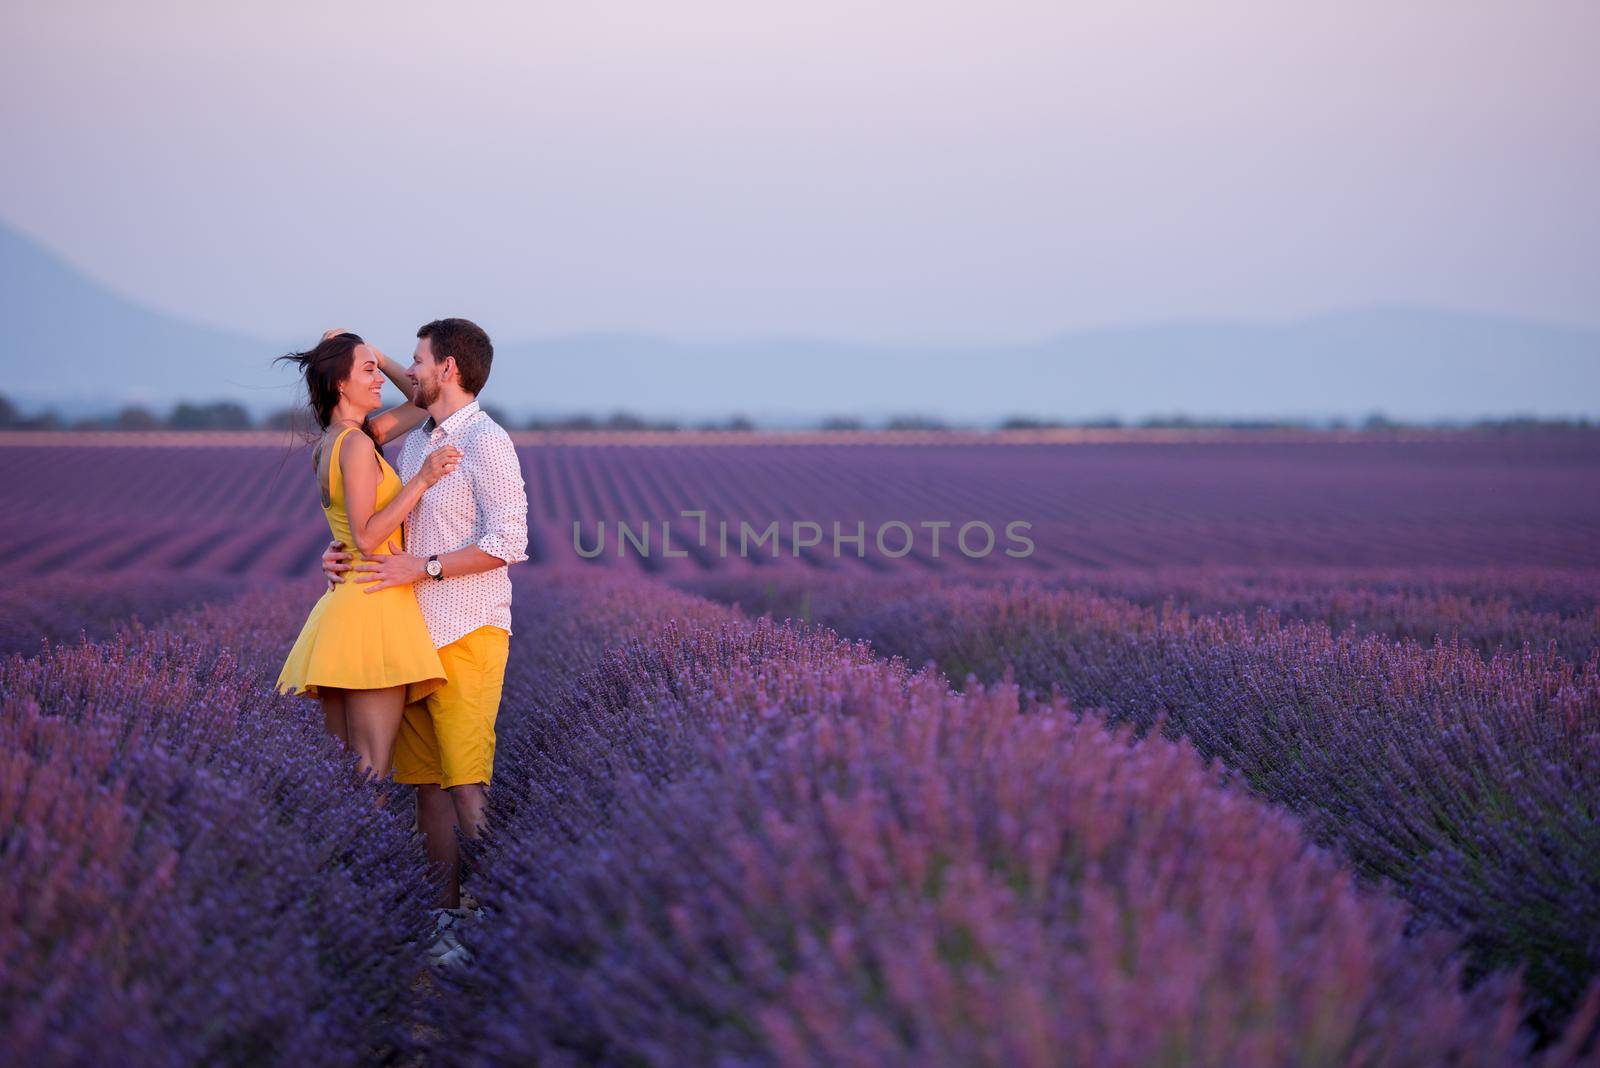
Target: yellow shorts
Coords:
[[448, 737]]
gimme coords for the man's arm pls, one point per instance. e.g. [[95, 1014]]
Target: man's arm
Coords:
[[467, 560], [382, 570], [502, 499]]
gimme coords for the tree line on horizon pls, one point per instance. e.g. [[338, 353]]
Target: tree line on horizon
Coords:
[[230, 415]]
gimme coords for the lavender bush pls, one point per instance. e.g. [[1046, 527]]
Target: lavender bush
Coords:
[[1472, 784], [193, 874], [785, 851], [540, 750]]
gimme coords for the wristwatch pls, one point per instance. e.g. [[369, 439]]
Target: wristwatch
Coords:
[[434, 568]]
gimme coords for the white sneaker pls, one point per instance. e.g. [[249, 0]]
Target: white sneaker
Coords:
[[447, 950]]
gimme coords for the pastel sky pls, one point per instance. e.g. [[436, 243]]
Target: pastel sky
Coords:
[[905, 171]]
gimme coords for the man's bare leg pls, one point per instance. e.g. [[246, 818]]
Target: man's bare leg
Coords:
[[436, 817], [471, 799], [440, 811]]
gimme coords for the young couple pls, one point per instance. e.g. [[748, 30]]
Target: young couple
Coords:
[[408, 660]]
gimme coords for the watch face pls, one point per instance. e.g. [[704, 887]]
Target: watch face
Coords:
[[434, 567]]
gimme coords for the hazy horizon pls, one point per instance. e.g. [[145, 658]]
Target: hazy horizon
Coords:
[[85, 350]]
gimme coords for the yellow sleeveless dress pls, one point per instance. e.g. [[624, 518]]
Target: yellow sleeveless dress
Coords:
[[356, 640]]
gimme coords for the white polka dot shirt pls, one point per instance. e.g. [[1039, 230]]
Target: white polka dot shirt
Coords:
[[483, 502]]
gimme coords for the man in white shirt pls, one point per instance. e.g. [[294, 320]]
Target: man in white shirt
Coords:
[[460, 539]]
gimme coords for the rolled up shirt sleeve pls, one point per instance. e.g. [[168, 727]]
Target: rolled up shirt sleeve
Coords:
[[502, 499]]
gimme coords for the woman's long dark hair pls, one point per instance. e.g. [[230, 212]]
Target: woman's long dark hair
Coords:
[[325, 366]]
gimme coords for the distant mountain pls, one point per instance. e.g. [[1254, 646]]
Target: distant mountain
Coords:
[[71, 343], [1412, 363]]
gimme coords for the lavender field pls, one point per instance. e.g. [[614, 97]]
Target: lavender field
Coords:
[[237, 504], [1273, 750]]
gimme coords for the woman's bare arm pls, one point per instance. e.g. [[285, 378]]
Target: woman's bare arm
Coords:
[[358, 460]]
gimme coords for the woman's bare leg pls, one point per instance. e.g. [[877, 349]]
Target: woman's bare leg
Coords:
[[374, 721], [333, 716]]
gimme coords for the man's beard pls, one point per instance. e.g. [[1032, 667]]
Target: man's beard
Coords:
[[424, 398]]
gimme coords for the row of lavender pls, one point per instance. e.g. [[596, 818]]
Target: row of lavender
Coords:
[[192, 872], [62, 608], [1469, 783], [742, 843], [1488, 609]]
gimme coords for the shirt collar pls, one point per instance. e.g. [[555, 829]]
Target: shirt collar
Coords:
[[454, 421]]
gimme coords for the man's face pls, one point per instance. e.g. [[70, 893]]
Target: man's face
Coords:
[[425, 373]]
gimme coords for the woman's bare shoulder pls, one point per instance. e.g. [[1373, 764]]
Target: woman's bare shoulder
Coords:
[[355, 444]]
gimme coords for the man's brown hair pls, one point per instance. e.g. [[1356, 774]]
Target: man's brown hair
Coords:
[[466, 341]]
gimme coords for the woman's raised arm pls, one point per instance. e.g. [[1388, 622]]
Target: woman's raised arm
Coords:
[[402, 418]]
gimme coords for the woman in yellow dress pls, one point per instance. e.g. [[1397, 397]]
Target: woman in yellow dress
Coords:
[[364, 654]]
